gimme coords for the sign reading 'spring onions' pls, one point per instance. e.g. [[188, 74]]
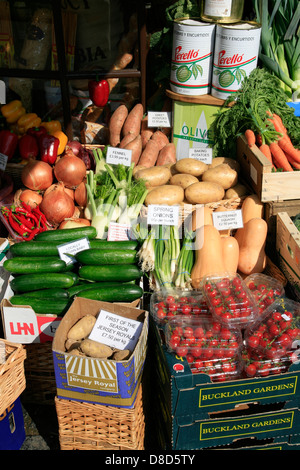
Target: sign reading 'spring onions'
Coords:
[[192, 53], [235, 56]]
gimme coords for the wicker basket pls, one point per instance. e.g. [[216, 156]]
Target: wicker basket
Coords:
[[39, 373], [88, 426], [12, 376]]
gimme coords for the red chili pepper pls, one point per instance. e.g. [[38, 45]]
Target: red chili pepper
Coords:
[[8, 143], [48, 145], [37, 131], [32, 234], [28, 147], [98, 92]]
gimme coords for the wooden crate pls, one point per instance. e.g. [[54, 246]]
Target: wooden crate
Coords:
[[288, 249], [256, 169], [271, 209]]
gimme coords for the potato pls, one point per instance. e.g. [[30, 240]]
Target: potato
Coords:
[[191, 166], [221, 174], [234, 164], [93, 348], [72, 344], [137, 168], [183, 180], [204, 192], [82, 328], [165, 194], [238, 190], [121, 355], [154, 176]]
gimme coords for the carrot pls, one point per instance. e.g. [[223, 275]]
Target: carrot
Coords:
[[135, 146], [293, 163], [265, 149], [160, 138], [279, 157], [116, 123], [134, 120], [250, 137], [287, 146], [149, 154], [278, 124], [167, 155]]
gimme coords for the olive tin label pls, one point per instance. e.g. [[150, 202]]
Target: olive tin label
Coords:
[[192, 54], [235, 56]]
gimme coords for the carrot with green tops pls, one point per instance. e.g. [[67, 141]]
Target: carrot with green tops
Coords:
[[279, 157], [276, 120], [250, 137]]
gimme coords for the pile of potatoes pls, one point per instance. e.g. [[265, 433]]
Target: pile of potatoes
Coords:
[[192, 181], [78, 343]]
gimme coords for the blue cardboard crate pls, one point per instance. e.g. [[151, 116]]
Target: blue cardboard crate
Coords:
[[12, 431]]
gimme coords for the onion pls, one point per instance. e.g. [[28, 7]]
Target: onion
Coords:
[[57, 205], [37, 175], [70, 170], [75, 146], [31, 198], [80, 194], [72, 223]]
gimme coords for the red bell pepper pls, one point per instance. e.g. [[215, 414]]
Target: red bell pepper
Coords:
[[98, 92], [37, 131], [48, 145], [28, 147], [8, 143]]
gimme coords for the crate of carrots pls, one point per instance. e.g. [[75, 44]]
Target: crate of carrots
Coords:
[[271, 168]]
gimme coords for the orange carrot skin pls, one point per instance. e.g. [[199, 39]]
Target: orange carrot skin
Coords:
[[250, 137], [279, 157], [286, 145], [265, 149]]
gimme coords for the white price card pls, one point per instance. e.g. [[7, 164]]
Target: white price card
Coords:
[[159, 119], [118, 231], [162, 215], [116, 331], [204, 154], [72, 248], [3, 161], [224, 220], [2, 92], [117, 156]]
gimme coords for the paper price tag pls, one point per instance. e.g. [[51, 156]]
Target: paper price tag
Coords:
[[3, 161], [159, 119], [204, 154], [228, 219], [117, 156], [118, 231], [116, 331], [72, 248], [162, 215]]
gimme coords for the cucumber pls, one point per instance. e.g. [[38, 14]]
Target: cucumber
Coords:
[[42, 305], [30, 282], [67, 234], [121, 293], [115, 245], [96, 256], [35, 264], [74, 290], [49, 293], [34, 248], [115, 272]]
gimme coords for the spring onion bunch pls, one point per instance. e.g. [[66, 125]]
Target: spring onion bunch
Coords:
[[280, 41]]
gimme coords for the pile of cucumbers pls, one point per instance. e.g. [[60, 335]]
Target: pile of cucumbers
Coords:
[[106, 271]]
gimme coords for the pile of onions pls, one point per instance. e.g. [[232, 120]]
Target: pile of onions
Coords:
[[70, 170], [57, 205], [37, 175]]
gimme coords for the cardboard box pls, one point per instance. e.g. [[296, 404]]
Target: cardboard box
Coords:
[[256, 169], [288, 250], [4, 275], [12, 431], [101, 381]]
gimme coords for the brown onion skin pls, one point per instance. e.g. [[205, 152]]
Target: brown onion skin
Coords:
[[70, 170], [37, 175], [57, 205], [80, 194], [31, 198]]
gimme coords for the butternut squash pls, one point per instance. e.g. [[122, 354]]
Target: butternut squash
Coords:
[[252, 241], [208, 255], [202, 215], [252, 207], [230, 249]]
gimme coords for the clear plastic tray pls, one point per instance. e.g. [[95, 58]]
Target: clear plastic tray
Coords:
[[219, 370], [177, 302], [230, 300], [276, 333], [258, 365], [265, 289]]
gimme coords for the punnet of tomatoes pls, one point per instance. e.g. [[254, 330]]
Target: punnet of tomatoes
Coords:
[[274, 338], [176, 302], [230, 300], [256, 364], [208, 346], [265, 289]]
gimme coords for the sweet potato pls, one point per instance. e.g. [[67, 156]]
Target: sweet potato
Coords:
[[146, 132], [121, 63], [167, 155], [133, 121], [115, 124], [136, 148], [126, 139], [160, 138], [149, 154]]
